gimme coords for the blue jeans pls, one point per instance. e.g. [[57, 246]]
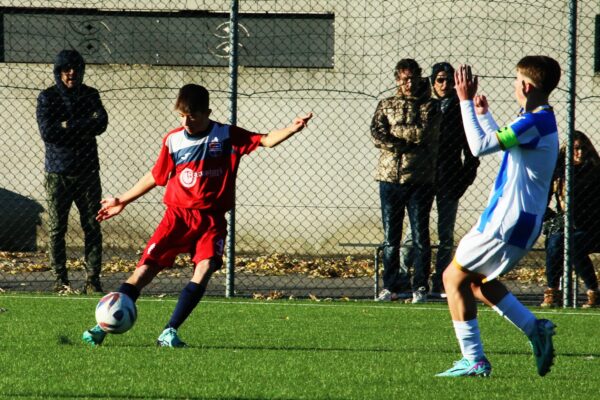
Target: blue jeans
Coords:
[[417, 199], [447, 210], [580, 257]]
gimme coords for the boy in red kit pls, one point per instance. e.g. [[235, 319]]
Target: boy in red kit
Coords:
[[198, 163]]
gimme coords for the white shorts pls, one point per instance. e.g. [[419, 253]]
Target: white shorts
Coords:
[[487, 256]]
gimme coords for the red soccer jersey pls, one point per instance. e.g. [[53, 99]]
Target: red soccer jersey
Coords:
[[200, 172]]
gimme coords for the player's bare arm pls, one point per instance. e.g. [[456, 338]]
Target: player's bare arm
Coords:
[[277, 136], [465, 83], [114, 205]]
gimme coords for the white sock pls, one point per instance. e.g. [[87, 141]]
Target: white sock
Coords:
[[512, 309], [467, 333]]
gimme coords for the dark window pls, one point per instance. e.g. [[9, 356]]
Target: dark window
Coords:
[[166, 38]]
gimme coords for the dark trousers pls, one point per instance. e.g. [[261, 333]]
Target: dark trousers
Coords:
[[582, 247], [85, 191], [417, 200], [446, 210]]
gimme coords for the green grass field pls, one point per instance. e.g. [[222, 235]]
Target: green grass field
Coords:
[[245, 349]]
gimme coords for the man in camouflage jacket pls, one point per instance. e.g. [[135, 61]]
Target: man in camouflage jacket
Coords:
[[405, 129]]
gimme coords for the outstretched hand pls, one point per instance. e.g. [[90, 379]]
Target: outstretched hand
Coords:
[[110, 207], [465, 83], [300, 123]]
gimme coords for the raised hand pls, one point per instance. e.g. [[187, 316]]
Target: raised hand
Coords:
[[465, 83], [481, 104], [300, 123]]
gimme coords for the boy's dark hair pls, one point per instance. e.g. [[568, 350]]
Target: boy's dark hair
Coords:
[[407, 64], [543, 71], [191, 99]]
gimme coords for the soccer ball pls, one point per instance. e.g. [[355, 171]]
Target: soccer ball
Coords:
[[116, 313]]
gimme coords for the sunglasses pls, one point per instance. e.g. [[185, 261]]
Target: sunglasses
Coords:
[[442, 80]]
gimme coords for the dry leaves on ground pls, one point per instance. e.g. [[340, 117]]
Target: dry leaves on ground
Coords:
[[270, 265]]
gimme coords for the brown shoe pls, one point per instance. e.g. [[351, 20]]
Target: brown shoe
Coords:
[[552, 298], [593, 298]]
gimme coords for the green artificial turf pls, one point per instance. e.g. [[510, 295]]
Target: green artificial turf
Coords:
[[245, 349]]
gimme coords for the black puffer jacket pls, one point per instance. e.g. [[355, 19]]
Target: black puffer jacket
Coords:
[[456, 165], [70, 119], [585, 196]]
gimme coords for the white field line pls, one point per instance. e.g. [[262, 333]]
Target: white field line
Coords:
[[558, 311]]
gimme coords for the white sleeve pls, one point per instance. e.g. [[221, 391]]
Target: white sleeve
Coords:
[[487, 122], [480, 142]]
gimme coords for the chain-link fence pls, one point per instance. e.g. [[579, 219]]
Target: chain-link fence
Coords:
[[308, 214]]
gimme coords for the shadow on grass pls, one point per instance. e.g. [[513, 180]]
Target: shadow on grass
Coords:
[[66, 341], [556, 353], [291, 348]]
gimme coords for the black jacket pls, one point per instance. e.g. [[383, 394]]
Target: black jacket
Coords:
[[585, 197], [70, 120], [456, 165]]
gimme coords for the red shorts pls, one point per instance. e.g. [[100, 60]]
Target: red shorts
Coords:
[[183, 230]]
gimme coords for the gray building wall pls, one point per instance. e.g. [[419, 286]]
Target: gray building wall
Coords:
[[316, 190]]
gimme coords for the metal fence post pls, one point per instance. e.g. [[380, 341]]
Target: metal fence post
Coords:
[[569, 294], [233, 71]]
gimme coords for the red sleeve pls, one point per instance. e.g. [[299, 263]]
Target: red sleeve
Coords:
[[164, 165], [244, 141]]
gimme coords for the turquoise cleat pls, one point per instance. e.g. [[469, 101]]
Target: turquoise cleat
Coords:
[[541, 344], [169, 338], [94, 336], [464, 367]]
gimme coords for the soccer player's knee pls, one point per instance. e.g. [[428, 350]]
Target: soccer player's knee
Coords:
[[215, 263], [448, 275]]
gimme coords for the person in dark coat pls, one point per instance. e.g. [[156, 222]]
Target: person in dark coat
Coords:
[[586, 214], [456, 170], [70, 115]]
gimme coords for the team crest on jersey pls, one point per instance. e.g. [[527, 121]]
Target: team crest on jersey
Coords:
[[187, 178], [215, 148]]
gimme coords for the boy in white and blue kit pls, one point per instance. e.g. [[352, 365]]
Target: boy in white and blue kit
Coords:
[[512, 220]]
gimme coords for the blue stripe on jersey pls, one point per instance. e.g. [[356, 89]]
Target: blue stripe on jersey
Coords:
[[498, 190], [545, 121], [522, 124], [530, 127], [202, 151], [522, 230]]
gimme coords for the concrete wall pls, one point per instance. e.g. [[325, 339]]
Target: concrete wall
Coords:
[[316, 190]]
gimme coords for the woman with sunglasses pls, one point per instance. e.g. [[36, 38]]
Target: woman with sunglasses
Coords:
[[455, 172]]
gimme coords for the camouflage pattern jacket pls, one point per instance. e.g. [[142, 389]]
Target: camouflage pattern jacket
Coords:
[[405, 129]]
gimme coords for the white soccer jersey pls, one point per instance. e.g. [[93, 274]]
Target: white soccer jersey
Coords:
[[518, 200]]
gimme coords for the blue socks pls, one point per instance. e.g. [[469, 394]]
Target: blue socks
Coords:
[[130, 290], [188, 300]]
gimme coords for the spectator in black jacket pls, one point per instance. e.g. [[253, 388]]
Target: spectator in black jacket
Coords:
[[585, 203], [455, 172], [70, 115]]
